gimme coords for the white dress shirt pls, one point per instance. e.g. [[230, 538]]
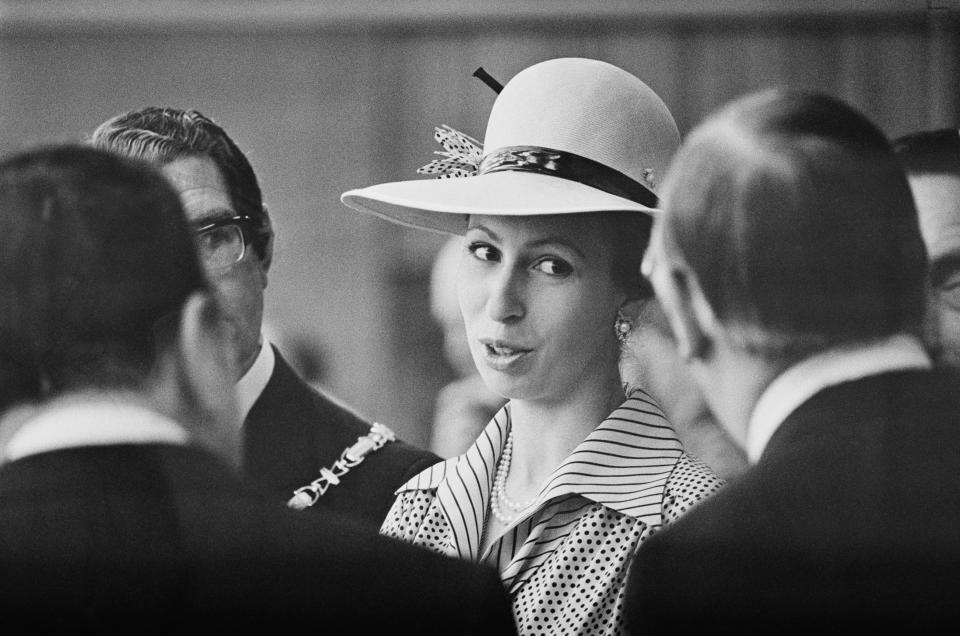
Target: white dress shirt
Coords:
[[98, 422], [255, 380], [836, 366]]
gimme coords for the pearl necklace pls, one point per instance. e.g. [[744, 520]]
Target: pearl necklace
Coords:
[[499, 497]]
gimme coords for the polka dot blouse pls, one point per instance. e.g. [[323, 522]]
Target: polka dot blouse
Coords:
[[565, 560]]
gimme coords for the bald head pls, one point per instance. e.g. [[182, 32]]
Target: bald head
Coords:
[[795, 216]]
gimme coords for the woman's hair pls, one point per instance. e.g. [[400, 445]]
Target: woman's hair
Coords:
[[798, 221], [629, 234], [95, 260], [163, 135]]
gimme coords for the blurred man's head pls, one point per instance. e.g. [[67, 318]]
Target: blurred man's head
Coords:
[[788, 229], [932, 161], [222, 200], [102, 292]]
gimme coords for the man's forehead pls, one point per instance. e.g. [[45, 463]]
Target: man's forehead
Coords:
[[937, 197], [202, 189], [191, 172]]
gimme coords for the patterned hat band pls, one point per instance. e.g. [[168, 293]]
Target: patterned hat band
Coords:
[[566, 165]]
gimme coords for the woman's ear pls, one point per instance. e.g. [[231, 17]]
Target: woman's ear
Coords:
[[206, 375]]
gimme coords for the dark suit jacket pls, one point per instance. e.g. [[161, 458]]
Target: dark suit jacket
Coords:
[[158, 538], [850, 519], [293, 430]]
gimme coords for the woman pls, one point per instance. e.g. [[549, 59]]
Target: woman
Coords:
[[571, 475]]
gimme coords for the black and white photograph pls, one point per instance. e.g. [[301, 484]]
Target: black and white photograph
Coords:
[[566, 317]]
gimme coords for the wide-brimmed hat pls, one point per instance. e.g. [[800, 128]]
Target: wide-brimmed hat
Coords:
[[564, 136]]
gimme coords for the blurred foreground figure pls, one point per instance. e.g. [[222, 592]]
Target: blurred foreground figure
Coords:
[[119, 511], [791, 268], [932, 160], [650, 360], [295, 438], [465, 405]]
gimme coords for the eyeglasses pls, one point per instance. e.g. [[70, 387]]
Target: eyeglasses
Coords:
[[950, 295], [223, 242], [944, 280]]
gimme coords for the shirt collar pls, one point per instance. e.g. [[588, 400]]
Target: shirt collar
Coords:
[[623, 464], [255, 380], [95, 423], [802, 381]]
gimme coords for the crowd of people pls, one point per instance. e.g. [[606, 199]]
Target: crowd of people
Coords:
[[713, 381]]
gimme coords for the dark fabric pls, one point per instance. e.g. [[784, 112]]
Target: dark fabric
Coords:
[[158, 538], [850, 519], [293, 430]]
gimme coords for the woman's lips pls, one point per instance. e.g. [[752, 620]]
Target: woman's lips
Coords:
[[501, 355]]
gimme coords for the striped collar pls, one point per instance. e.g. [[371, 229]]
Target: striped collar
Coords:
[[623, 464]]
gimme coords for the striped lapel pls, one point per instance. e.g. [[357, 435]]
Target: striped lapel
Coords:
[[464, 493], [624, 463]]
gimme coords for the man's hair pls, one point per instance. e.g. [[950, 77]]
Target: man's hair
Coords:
[[930, 151], [798, 221], [96, 260], [163, 135]]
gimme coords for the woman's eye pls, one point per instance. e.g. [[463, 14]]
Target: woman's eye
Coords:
[[484, 252], [554, 267]]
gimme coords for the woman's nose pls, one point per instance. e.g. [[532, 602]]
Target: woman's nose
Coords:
[[505, 303]]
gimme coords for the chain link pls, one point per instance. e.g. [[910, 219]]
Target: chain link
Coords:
[[308, 495]]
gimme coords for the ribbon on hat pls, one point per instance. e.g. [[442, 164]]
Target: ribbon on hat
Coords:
[[463, 156], [570, 166]]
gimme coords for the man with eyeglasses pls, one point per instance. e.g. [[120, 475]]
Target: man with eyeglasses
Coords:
[[301, 444], [932, 161]]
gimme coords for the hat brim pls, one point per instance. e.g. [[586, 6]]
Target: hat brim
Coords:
[[444, 205]]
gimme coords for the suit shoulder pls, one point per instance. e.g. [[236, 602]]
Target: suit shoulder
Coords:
[[402, 455]]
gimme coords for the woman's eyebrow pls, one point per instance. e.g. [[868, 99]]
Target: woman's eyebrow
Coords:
[[540, 242], [485, 230], [554, 240]]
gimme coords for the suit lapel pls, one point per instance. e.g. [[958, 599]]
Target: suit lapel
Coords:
[[279, 439]]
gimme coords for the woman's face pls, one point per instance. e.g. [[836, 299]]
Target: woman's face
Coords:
[[539, 304]]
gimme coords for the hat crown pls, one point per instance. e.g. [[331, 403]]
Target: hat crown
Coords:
[[589, 108]]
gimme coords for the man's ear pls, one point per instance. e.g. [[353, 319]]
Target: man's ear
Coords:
[[691, 317], [205, 373], [265, 234]]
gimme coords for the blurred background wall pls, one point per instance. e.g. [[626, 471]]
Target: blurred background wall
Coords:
[[327, 96]]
